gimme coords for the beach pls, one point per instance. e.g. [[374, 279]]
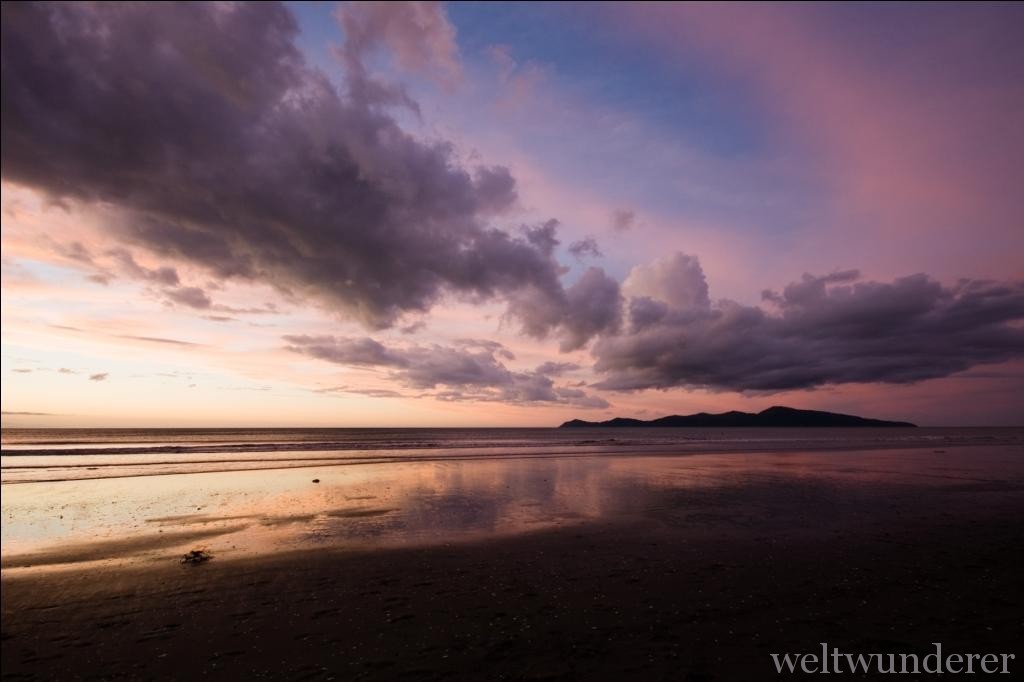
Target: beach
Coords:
[[583, 566], [511, 341]]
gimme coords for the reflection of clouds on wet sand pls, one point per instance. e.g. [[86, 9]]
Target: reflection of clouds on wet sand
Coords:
[[352, 507], [442, 502]]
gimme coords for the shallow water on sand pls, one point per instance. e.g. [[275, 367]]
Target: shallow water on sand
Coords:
[[452, 497], [35, 455]]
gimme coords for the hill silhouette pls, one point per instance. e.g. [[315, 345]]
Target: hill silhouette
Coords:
[[773, 416]]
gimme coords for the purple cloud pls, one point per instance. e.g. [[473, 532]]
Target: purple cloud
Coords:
[[824, 330], [191, 297], [466, 371], [250, 164], [622, 220], [585, 248]]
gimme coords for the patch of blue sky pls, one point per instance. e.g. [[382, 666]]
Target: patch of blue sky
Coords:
[[51, 273], [666, 136], [677, 137], [591, 60], [699, 103], [318, 32]]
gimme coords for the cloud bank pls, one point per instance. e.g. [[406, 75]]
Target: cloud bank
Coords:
[[220, 147], [832, 329], [468, 371]]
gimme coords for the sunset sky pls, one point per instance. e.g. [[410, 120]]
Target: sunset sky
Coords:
[[510, 215]]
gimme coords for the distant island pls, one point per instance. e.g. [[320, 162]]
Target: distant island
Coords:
[[773, 416]]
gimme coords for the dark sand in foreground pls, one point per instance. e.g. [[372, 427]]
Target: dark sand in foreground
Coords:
[[702, 587]]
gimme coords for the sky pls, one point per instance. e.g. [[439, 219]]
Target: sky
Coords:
[[502, 214]]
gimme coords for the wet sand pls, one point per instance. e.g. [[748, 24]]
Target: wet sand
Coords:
[[676, 568]]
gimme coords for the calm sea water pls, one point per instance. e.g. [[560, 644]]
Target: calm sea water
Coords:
[[33, 455], [87, 495]]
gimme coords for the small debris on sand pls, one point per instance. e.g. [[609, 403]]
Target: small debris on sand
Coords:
[[316, 480], [195, 557]]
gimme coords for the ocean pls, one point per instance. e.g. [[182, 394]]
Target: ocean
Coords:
[[41, 455], [115, 496]]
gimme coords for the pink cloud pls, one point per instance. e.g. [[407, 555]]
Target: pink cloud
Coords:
[[418, 34], [920, 144]]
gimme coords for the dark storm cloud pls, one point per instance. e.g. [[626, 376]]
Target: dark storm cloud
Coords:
[[223, 149], [591, 306], [594, 305], [345, 351], [432, 366], [191, 297], [555, 369], [823, 330], [487, 345], [578, 398], [809, 287], [585, 248], [466, 371]]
